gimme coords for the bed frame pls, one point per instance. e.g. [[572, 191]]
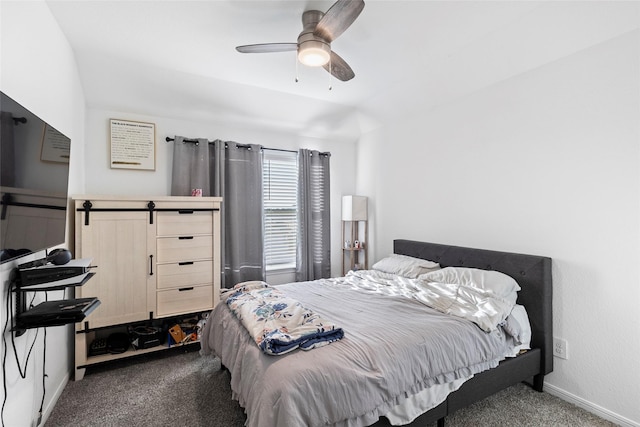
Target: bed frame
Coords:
[[533, 274]]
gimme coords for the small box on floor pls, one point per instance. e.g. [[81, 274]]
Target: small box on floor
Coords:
[[183, 333]]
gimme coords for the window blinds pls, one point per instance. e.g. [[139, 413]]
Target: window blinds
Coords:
[[280, 188]]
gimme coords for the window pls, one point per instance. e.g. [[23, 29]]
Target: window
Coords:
[[280, 190]]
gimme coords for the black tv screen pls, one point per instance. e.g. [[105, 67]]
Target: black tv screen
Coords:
[[34, 176]]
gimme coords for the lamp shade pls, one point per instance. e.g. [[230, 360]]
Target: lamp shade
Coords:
[[354, 208]]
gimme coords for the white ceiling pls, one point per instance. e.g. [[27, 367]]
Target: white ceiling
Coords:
[[177, 58]]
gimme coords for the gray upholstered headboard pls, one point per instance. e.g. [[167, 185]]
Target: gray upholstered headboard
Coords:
[[533, 274]]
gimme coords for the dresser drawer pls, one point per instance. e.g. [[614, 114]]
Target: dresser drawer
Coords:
[[184, 248], [182, 223], [184, 273], [185, 300]]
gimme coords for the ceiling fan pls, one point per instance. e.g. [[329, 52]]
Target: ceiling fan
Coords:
[[314, 42]]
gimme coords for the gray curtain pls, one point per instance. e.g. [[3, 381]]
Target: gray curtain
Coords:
[[190, 166], [314, 216], [234, 172], [7, 156]]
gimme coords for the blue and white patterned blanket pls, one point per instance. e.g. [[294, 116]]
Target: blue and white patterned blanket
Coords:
[[277, 323]]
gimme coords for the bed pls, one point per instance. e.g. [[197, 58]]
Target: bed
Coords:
[[386, 363]]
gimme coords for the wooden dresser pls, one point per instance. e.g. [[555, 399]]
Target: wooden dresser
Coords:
[[155, 259]]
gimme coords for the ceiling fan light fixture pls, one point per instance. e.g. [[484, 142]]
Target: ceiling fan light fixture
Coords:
[[314, 53], [319, 30]]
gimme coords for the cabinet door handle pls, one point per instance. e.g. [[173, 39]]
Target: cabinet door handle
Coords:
[[185, 289], [150, 265], [185, 237], [186, 263]]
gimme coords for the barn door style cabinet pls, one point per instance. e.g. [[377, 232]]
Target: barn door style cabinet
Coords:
[[154, 258]]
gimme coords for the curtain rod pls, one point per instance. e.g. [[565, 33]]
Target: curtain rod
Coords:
[[195, 141], [280, 149], [294, 151]]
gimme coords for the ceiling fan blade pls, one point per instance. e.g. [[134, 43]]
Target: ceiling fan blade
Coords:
[[339, 68], [267, 47], [338, 18]]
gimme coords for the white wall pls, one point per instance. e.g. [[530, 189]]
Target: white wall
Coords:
[[544, 163], [39, 71], [101, 179]]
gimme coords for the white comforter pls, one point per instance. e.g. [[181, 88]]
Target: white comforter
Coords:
[[484, 308]]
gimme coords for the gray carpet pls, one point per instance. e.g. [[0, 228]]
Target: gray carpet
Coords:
[[177, 388]]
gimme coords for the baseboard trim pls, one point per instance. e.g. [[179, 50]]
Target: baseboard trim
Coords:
[[46, 412], [590, 406]]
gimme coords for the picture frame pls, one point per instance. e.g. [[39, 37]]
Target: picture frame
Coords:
[[133, 144], [55, 146]]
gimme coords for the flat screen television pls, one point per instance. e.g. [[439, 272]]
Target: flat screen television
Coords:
[[34, 169]]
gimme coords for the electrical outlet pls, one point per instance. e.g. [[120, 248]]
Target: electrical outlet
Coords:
[[560, 348]]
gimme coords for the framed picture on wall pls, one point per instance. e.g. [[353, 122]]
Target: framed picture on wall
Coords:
[[55, 146], [133, 145]]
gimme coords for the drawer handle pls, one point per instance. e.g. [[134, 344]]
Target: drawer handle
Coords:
[[185, 212], [185, 289], [186, 263], [185, 238]]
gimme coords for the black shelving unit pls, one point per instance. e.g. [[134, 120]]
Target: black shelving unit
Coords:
[[50, 313]]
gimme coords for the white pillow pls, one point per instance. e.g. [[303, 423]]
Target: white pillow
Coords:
[[493, 281], [517, 325], [406, 266]]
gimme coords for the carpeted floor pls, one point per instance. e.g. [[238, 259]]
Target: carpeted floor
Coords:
[[178, 388]]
